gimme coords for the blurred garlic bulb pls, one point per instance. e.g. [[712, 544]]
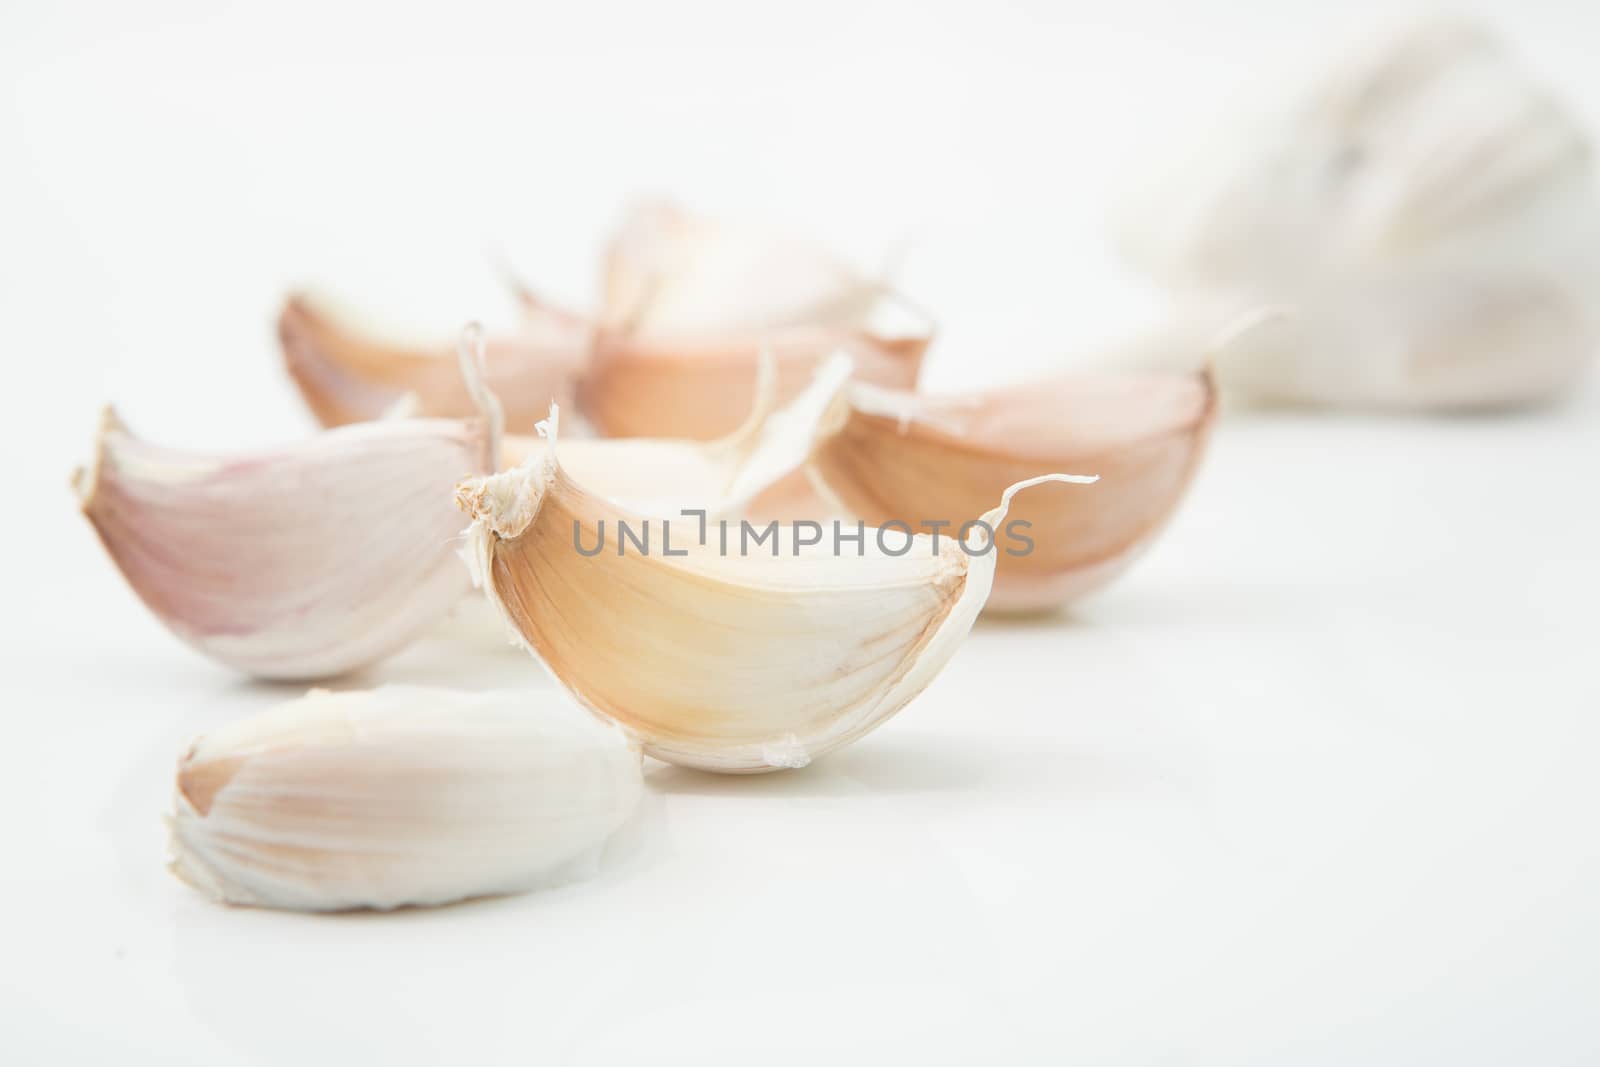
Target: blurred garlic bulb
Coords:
[[351, 371], [399, 796], [689, 304], [298, 562], [1426, 220], [923, 459], [711, 654]]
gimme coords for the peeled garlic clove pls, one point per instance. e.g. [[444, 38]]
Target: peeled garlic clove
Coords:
[[690, 304], [738, 662], [399, 796], [348, 371], [1427, 217], [921, 459], [299, 562], [662, 476]]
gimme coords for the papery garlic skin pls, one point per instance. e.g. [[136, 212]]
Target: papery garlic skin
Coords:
[[301, 562], [399, 796], [690, 305], [917, 459], [349, 370], [736, 663], [1426, 219]]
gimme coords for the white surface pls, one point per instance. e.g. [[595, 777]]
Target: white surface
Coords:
[[1314, 784]]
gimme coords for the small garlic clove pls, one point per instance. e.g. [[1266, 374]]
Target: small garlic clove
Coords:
[[348, 371], [732, 662], [923, 459], [399, 796], [1426, 217], [690, 304], [663, 476], [301, 562]]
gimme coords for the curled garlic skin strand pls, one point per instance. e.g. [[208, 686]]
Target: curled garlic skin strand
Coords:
[[699, 654], [399, 796]]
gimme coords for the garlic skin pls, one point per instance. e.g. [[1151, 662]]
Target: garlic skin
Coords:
[[732, 663], [1426, 219], [917, 458], [304, 561], [348, 370], [690, 304], [399, 796]]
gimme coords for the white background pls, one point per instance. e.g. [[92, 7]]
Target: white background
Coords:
[[1314, 785]]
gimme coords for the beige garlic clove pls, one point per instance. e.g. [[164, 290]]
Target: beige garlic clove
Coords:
[[1426, 217], [916, 459], [689, 304], [300, 562], [399, 796], [739, 662], [663, 476], [350, 371]]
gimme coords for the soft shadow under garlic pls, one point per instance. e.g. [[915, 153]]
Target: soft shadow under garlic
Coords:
[[920, 460], [716, 656], [1427, 217], [301, 562]]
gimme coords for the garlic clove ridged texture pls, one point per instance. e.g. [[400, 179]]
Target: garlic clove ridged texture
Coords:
[[299, 562], [399, 796], [740, 662], [1426, 217], [917, 459]]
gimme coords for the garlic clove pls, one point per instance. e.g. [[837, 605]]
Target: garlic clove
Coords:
[[923, 459], [689, 304], [1427, 217], [663, 476], [738, 663], [349, 371], [399, 796], [300, 562]]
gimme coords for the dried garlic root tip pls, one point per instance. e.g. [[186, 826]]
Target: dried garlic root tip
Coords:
[[690, 304], [349, 372], [713, 654], [399, 796], [300, 562], [917, 459]]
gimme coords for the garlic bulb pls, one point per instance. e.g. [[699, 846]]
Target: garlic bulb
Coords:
[[713, 654], [689, 304], [350, 371], [923, 459], [300, 562], [399, 796], [1426, 219]]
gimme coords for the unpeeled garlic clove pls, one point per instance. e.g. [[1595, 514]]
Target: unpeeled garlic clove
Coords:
[[690, 304], [301, 562], [921, 459], [736, 663], [1426, 217], [348, 371], [662, 476], [399, 796]]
